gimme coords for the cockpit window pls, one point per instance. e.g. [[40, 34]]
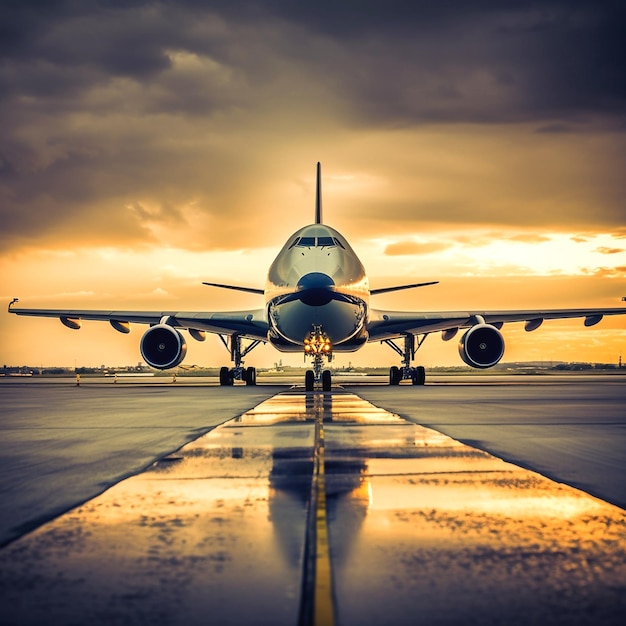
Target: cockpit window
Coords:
[[310, 242]]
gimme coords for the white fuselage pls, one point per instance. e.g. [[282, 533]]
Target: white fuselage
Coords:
[[317, 283]]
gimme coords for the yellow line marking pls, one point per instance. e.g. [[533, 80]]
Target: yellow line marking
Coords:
[[323, 610]]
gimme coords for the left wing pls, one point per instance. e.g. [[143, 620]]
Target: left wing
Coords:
[[251, 324], [392, 324]]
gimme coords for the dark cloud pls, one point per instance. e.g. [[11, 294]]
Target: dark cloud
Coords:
[[556, 128], [113, 104], [404, 62], [394, 62]]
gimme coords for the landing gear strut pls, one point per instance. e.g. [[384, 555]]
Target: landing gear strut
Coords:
[[228, 376], [318, 345], [417, 375]]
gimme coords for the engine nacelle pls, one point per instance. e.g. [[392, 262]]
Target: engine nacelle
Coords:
[[163, 347], [482, 346]]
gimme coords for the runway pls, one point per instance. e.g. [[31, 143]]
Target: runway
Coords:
[[312, 508]]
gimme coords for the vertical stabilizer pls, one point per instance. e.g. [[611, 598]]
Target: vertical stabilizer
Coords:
[[318, 195]]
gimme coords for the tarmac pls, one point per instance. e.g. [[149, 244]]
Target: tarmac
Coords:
[[270, 505]]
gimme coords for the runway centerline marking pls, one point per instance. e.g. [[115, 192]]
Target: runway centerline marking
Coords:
[[323, 607], [317, 607]]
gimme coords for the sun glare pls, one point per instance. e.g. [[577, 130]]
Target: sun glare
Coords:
[[474, 253]]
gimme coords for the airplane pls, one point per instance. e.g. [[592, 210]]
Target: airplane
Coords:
[[317, 301]]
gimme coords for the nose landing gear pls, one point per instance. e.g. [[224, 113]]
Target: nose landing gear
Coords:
[[318, 345]]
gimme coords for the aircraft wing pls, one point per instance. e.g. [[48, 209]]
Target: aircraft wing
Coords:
[[392, 324], [251, 324]]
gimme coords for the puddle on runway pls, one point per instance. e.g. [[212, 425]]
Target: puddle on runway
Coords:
[[422, 529]]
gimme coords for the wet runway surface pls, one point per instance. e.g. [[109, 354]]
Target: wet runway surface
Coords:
[[320, 508], [61, 444], [571, 429]]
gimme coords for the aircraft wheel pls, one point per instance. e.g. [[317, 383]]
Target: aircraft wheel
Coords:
[[326, 380], [394, 375], [224, 376], [309, 380], [418, 375], [250, 376]]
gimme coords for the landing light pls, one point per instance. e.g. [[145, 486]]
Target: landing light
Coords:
[[317, 343]]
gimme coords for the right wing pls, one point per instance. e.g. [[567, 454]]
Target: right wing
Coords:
[[251, 324]]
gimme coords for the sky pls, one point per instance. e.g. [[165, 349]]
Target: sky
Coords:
[[148, 146]]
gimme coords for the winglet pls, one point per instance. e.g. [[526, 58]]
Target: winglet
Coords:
[[318, 195]]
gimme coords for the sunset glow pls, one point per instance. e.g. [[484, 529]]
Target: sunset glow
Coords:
[[456, 146]]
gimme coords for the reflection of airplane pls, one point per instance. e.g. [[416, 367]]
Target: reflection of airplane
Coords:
[[317, 301]]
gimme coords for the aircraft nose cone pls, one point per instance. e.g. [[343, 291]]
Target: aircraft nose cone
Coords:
[[316, 289]]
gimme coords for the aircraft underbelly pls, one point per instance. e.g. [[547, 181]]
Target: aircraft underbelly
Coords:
[[341, 322]]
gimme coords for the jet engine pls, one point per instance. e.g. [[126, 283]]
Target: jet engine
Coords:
[[163, 347], [482, 346]]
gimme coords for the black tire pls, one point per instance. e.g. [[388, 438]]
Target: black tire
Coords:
[[224, 376], [418, 375], [395, 376], [326, 380], [250, 376], [309, 380]]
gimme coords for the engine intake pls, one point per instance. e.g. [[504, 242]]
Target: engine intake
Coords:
[[482, 346], [163, 347]]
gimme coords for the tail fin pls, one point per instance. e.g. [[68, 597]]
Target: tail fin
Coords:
[[318, 195]]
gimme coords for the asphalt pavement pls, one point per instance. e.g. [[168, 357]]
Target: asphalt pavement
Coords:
[[178, 504]]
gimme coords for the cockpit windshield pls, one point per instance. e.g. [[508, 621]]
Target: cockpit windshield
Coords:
[[325, 241], [316, 242]]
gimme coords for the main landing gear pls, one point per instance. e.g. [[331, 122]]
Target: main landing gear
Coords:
[[318, 345], [228, 376], [417, 375]]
